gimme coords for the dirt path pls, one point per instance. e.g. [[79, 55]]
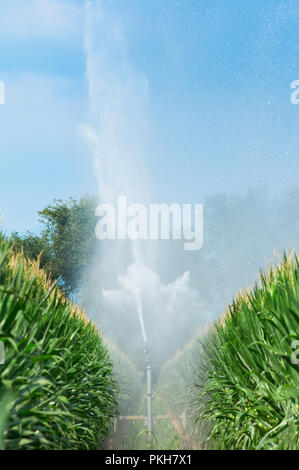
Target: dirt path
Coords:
[[117, 441], [177, 425]]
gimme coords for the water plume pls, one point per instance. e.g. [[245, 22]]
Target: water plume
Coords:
[[122, 285]]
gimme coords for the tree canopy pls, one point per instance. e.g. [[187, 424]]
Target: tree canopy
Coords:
[[66, 242]]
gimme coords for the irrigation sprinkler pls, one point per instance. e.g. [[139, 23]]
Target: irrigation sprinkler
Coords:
[[149, 392]]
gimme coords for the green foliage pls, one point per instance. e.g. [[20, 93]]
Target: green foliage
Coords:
[[129, 380], [70, 232], [175, 386], [56, 386], [174, 379], [66, 243], [34, 247], [248, 386]]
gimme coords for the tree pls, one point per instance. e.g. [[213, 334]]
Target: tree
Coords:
[[66, 243], [33, 246], [70, 236]]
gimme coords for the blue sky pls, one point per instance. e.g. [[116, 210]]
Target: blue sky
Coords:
[[219, 113]]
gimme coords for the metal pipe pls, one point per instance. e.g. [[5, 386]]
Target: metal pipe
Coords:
[[149, 393]]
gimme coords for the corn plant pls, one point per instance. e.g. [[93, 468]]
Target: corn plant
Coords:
[[56, 385], [130, 384], [248, 382]]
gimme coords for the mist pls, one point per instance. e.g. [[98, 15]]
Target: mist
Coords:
[[155, 291]]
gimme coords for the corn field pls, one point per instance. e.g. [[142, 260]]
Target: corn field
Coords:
[[237, 383], [247, 375], [56, 385]]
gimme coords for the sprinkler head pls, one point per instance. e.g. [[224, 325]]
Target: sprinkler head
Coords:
[[147, 352]]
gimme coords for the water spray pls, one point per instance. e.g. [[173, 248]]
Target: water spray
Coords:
[[140, 316], [148, 364]]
